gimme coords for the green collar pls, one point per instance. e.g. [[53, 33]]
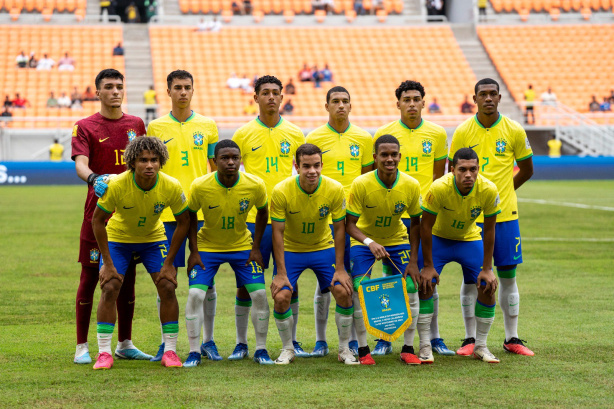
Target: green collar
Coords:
[[224, 186], [301, 189], [407, 127], [262, 123], [492, 126], [140, 188], [382, 183], [187, 120], [335, 131], [458, 191]]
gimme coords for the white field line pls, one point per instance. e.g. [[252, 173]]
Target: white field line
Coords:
[[571, 240], [566, 204]]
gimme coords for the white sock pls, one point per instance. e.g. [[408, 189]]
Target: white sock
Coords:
[[321, 306], [359, 324], [284, 327], [468, 297], [242, 308], [509, 300], [209, 307], [194, 317], [344, 326], [424, 329], [81, 349], [158, 303], [294, 308], [434, 322], [125, 344], [414, 307], [260, 317], [104, 343], [170, 341], [482, 328]]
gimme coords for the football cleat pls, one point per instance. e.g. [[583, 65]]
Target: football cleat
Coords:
[[104, 361], [158, 356], [440, 348], [171, 360], [82, 354], [408, 356], [367, 360], [193, 360], [241, 351], [347, 357], [382, 347], [262, 357], [467, 348], [426, 354], [353, 345], [286, 357], [516, 346], [320, 350], [299, 351], [132, 353], [482, 353], [209, 349]]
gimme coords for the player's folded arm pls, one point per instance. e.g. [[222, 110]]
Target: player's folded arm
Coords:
[[426, 210], [493, 214], [103, 209], [263, 206]]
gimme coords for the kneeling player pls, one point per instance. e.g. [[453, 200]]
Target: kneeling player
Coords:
[[378, 199], [300, 207], [226, 197], [449, 233], [138, 197]]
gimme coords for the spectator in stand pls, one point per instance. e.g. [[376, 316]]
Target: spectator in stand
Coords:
[[605, 105], [358, 8], [216, 26], [233, 82], [76, 104], [45, 63], [6, 113], [20, 102], [56, 150], [434, 108], [66, 63], [290, 89], [89, 95], [151, 9], [21, 60], [320, 5], [594, 105], [327, 74], [317, 76], [482, 10], [305, 74], [466, 107], [32, 62], [7, 102], [52, 102], [76, 95], [118, 50], [529, 101], [150, 99], [612, 96], [132, 14], [288, 108], [549, 98], [246, 85], [250, 108], [104, 6], [238, 7], [554, 147], [64, 101]]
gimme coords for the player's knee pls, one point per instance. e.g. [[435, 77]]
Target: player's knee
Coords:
[[196, 297], [282, 300], [258, 297], [166, 290], [342, 296], [111, 289], [242, 293]]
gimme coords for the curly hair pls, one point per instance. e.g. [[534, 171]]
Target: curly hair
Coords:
[[409, 86], [267, 79], [143, 143]]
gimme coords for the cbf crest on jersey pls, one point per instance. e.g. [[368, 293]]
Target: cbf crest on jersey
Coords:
[[475, 211], [324, 210], [355, 150], [193, 273], [427, 147], [131, 134], [243, 205], [158, 207], [399, 207], [94, 255], [284, 148], [198, 138], [500, 146]]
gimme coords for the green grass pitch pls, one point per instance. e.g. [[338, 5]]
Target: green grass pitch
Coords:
[[566, 286]]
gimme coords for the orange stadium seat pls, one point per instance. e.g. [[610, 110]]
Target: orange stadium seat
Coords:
[[350, 15]]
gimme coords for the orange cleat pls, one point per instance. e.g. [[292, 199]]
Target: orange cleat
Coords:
[[516, 346], [467, 348], [367, 360]]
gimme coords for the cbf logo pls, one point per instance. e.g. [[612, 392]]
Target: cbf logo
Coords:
[[243, 205], [131, 134], [94, 255], [399, 207], [354, 150], [198, 138], [384, 300], [501, 145], [427, 146], [324, 209], [193, 274], [158, 207], [475, 211], [284, 147]]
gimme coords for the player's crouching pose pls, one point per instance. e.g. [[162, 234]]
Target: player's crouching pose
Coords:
[[449, 233], [138, 197], [300, 207], [226, 197]]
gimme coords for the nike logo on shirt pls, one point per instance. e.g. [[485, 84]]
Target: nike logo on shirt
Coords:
[[295, 212], [213, 207], [253, 149], [165, 142], [127, 208], [448, 209], [102, 140], [371, 207], [471, 147]]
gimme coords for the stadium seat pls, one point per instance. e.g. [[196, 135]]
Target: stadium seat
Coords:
[[382, 15], [586, 13], [227, 16], [555, 14], [320, 15], [350, 15], [289, 16]]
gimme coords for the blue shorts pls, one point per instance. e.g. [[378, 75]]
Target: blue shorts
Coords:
[[361, 259], [152, 255], [407, 223], [508, 248], [322, 263], [346, 254], [169, 228], [266, 244], [245, 274], [469, 254]]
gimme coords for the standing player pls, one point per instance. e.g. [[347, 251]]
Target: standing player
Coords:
[[190, 139], [98, 145], [300, 208], [226, 197], [348, 151], [449, 233], [268, 144], [377, 201], [136, 198], [498, 141], [424, 147]]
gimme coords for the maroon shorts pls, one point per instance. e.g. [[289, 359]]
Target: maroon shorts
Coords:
[[89, 253]]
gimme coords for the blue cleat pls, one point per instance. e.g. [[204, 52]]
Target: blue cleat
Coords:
[[84, 358], [353, 345], [209, 349], [241, 351], [382, 347], [441, 348], [132, 353], [262, 357], [158, 356], [298, 350], [320, 350], [192, 361]]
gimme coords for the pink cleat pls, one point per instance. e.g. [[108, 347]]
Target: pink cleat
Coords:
[[171, 360], [104, 361]]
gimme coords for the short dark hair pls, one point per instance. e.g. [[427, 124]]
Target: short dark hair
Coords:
[[485, 81], [179, 75], [145, 143], [387, 138], [225, 143], [465, 154], [307, 149], [409, 86], [266, 79], [108, 73], [336, 89]]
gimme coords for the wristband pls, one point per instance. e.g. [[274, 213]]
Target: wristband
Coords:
[[91, 178], [367, 241]]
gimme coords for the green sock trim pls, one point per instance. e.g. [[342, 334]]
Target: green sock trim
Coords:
[[344, 311], [484, 311], [200, 287], [293, 300], [282, 315], [254, 287], [243, 303], [386, 269], [170, 328], [104, 328], [409, 284], [357, 281], [426, 306], [506, 273]]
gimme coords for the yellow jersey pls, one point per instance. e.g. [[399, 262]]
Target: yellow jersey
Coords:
[[554, 148], [137, 212], [225, 210], [268, 152], [343, 154], [55, 152], [457, 214], [149, 97], [420, 149], [306, 215], [497, 148], [379, 209], [190, 144]]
